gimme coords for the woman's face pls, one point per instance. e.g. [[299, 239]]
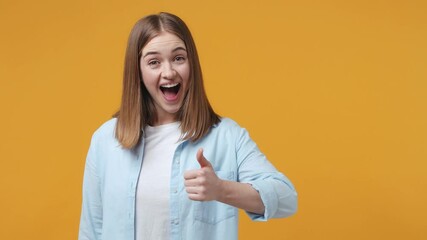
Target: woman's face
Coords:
[[165, 73]]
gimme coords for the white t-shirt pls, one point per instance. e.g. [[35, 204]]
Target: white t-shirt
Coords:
[[152, 200]]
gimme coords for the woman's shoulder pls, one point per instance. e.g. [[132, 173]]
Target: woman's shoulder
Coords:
[[227, 124], [106, 130]]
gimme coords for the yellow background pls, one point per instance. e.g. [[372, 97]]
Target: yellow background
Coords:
[[334, 92]]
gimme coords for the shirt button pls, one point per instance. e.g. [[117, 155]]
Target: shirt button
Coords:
[[177, 161], [175, 191]]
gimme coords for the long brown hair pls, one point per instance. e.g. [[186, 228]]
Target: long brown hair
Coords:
[[137, 109]]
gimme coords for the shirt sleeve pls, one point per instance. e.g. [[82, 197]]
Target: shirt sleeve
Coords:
[[277, 192], [91, 215]]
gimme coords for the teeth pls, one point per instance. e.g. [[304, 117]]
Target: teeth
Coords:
[[170, 85]]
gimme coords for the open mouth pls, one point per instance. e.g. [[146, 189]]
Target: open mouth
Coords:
[[170, 91]]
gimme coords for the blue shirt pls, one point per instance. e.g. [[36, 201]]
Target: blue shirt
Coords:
[[111, 177]]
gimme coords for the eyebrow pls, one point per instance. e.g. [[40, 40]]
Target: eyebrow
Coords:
[[154, 52]]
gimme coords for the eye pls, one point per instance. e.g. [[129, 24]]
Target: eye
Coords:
[[153, 63], [179, 59]]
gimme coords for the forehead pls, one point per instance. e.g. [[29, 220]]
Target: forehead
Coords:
[[163, 41]]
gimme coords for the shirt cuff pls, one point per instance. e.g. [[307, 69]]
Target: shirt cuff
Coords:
[[269, 199]]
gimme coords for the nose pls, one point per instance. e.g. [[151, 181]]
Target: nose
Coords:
[[168, 72]]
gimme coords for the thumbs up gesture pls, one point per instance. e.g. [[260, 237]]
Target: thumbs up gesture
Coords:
[[202, 184]]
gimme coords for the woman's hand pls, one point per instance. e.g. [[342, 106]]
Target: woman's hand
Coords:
[[203, 184]]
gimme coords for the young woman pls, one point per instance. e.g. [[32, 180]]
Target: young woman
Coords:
[[167, 166]]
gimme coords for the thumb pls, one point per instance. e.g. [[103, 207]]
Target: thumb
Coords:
[[202, 160]]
